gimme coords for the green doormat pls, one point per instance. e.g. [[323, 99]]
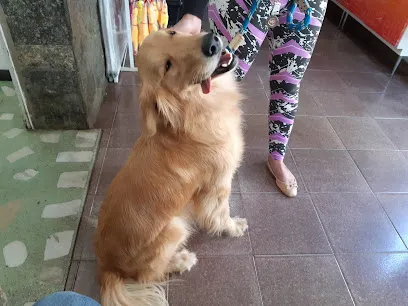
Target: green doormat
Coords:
[[43, 184]]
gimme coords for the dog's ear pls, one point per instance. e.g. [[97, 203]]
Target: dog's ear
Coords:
[[159, 107], [169, 109], [148, 110]]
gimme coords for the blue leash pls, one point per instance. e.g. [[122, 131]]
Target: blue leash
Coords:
[[247, 20], [254, 6], [235, 42], [300, 25]]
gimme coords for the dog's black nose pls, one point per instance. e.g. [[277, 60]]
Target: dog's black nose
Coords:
[[210, 45]]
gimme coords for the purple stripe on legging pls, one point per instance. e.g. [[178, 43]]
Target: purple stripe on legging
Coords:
[[299, 17], [278, 137], [244, 66], [276, 155], [293, 47], [284, 76], [259, 35], [281, 96], [242, 5], [281, 118], [215, 17]]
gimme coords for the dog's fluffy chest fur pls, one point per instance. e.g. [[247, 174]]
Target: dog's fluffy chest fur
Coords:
[[218, 125]]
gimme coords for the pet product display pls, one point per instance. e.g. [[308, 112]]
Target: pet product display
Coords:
[[147, 16]]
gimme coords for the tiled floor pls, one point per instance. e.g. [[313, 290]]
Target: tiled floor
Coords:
[[343, 240]]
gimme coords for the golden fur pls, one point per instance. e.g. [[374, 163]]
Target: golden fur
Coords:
[[179, 171]]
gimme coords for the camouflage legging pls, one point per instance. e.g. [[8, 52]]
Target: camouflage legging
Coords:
[[290, 55], [291, 51]]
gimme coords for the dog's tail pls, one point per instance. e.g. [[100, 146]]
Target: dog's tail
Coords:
[[116, 292]]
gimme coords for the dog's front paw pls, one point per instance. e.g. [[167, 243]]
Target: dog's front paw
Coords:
[[238, 227], [183, 261]]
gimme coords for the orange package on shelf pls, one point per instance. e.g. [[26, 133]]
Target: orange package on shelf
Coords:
[[135, 27], [159, 5], [152, 18], [144, 25], [164, 16]]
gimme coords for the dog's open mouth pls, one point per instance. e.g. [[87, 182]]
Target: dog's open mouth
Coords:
[[227, 62]]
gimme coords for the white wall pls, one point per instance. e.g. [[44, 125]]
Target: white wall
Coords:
[[403, 44], [4, 59]]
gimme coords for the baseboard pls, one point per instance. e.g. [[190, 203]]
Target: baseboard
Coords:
[[5, 75]]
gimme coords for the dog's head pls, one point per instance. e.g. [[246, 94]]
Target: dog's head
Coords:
[[172, 66]]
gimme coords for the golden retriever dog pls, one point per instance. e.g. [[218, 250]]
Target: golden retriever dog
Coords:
[[179, 172]]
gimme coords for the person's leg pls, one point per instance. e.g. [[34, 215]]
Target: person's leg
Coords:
[[67, 298], [291, 51]]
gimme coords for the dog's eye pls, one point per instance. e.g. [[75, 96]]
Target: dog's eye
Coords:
[[172, 33], [168, 65]]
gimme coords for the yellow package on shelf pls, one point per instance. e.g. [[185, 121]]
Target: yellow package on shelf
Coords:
[[147, 16], [135, 27], [164, 16], [144, 26], [152, 17], [159, 4]]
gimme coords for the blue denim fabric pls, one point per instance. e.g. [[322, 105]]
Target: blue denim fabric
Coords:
[[66, 298]]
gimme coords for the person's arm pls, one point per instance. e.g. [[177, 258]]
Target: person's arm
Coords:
[[193, 12], [195, 8]]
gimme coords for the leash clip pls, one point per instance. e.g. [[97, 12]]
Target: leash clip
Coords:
[[273, 21], [291, 10]]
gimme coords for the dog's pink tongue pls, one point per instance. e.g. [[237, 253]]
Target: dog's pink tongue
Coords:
[[206, 86], [225, 58]]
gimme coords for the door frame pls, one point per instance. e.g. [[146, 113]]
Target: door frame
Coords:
[[5, 43]]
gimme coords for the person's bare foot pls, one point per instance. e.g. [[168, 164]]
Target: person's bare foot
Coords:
[[285, 180]]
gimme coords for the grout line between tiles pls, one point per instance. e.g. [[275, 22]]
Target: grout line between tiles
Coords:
[[318, 192], [319, 106], [345, 280], [371, 253], [260, 79], [332, 249], [100, 171], [391, 118], [391, 192], [92, 207], [106, 151], [87, 260], [78, 245], [72, 285], [252, 249], [298, 171], [292, 255], [389, 219], [266, 255], [323, 254], [356, 117], [257, 280]]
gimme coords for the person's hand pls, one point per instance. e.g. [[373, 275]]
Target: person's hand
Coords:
[[189, 24]]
